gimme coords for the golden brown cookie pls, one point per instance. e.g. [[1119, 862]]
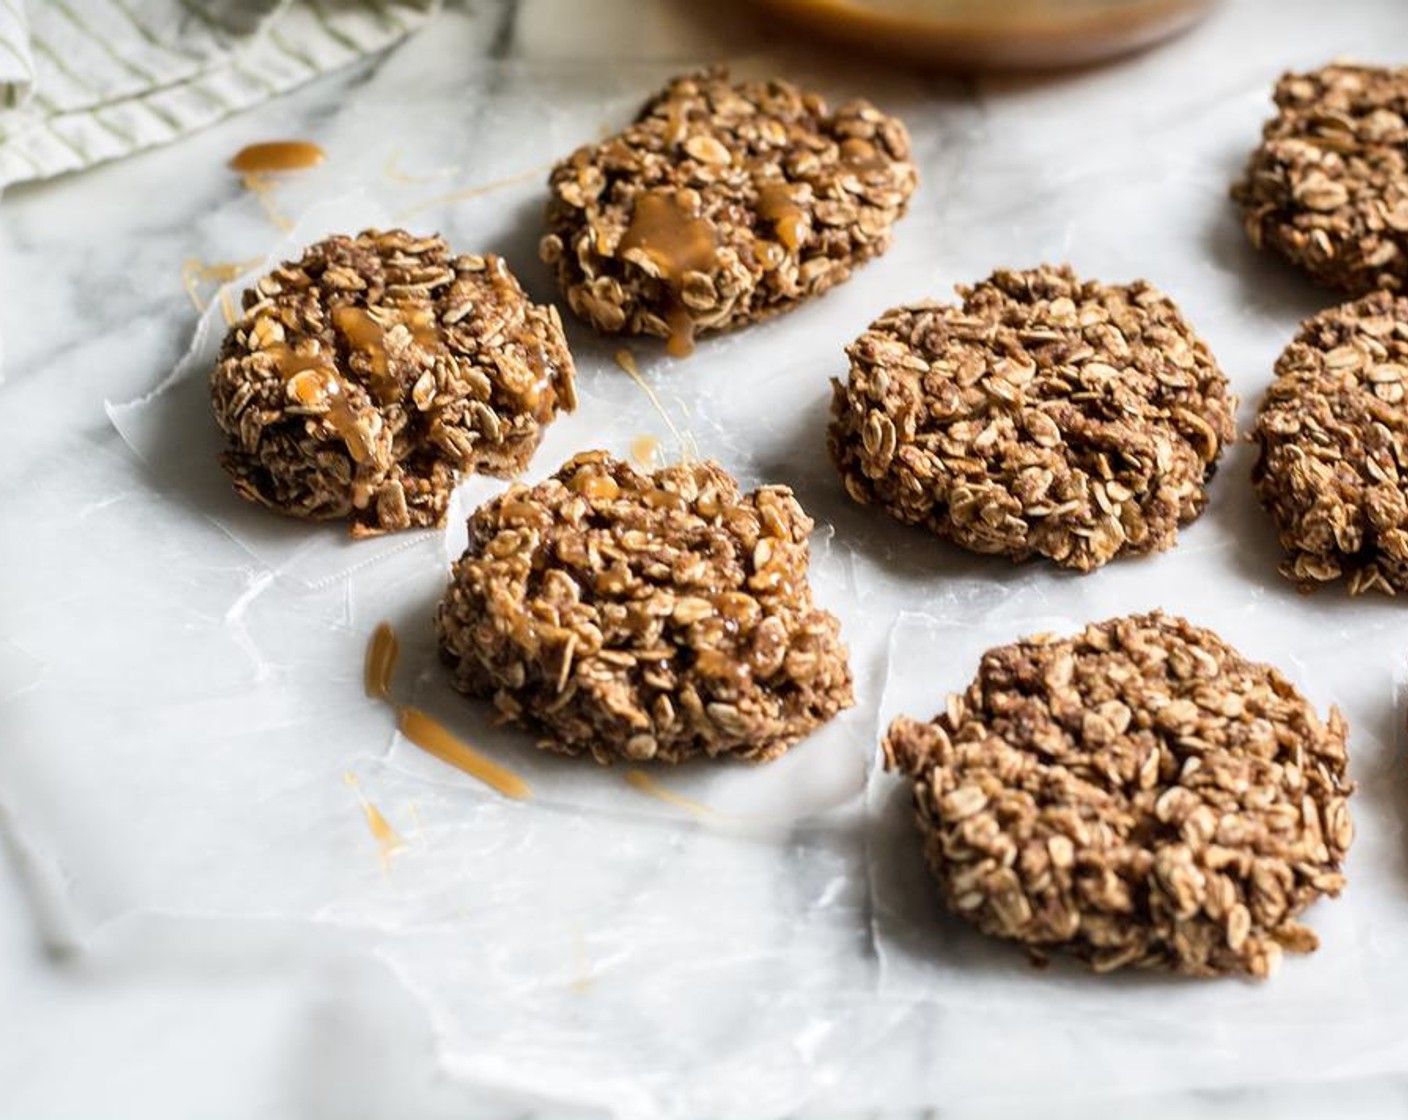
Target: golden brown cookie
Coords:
[[663, 615], [1140, 795], [1333, 432], [363, 378], [1328, 186], [1044, 415], [723, 204]]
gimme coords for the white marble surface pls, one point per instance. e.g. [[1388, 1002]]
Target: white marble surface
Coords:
[[193, 919]]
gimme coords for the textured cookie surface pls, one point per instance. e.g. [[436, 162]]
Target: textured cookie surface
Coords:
[[1328, 186], [724, 203], [1333, 432], [645, 616], [363, 377], [1045, 415], [1138, 795]]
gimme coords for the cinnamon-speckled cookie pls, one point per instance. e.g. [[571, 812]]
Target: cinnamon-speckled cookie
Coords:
[[1139, 795], [723, 204], [663, 615], [1328, 186], [1043, 415], [1333, 432], [364, 377]]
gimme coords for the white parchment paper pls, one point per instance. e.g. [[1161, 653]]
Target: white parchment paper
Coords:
[[599, 946]]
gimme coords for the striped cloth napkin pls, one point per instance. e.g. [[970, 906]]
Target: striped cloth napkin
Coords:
[[84, 81]]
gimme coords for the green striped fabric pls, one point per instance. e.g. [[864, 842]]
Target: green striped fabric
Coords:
[[84, 81]]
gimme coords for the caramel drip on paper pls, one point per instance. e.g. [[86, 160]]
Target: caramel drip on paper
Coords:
[[383, 651], [640, 780], [627, 361], [645, 450], [195, 272], [584, 981], [394, 173], [227, 308], [276, 156], [478, 191], [433, 737], [258, 164], [388, 840], [426, 732]]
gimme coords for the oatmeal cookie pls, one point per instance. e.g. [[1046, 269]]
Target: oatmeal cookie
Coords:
[[1045, 415], [363, 376], [1333, 432], [645, 616], [1138, 795], [723, 204], [1328, 186]]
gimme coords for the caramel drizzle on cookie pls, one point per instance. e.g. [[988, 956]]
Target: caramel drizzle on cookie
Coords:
[[314, 383], [364, 332], [775, 205], [676, 243]]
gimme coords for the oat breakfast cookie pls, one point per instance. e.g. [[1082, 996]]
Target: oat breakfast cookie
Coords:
[[723, 204], [1333, 432], [663, 615], [1139, 795], [1044, 415], [1328, 186], [362, 377]]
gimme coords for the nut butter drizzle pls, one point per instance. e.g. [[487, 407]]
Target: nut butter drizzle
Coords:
[[627, 361], [541, 367], [676, 243], [426, 732], [313, 382], [258, 164], [276, 156], [388, 840], [365, 333], [640, 780], [645, 450]]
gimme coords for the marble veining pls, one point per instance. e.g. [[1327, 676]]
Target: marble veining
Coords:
[[195, 917]]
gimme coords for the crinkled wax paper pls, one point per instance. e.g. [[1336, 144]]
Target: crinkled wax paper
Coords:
[[595, 944]]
